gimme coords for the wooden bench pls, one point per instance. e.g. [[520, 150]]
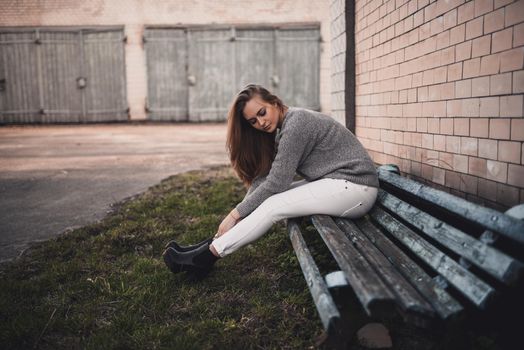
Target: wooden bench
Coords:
[[420, 254]]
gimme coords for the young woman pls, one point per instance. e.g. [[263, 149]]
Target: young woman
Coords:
[[269, 143]]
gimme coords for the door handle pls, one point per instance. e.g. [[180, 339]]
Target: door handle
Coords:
[[275, 80], [191, 80], [81, 82]]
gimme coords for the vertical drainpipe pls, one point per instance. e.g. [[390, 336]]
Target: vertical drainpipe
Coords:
[[350, 66]]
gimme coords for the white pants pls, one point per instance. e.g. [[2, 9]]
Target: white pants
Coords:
[[326, 196]]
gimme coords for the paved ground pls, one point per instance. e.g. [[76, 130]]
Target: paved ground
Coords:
[[53, 178]]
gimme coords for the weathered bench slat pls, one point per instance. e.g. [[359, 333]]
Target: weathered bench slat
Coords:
[[476, 290], [489, 218], [444, 304], [374, 295], [408, 298], [323, 301], [402, 256], [494, 262]]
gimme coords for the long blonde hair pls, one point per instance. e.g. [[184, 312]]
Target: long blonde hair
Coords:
[[251, 151]]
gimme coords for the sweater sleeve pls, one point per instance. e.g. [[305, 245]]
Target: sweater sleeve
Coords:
[[254, 185], [291, 148]]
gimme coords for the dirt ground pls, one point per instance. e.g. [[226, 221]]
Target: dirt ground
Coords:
[[54, 178]]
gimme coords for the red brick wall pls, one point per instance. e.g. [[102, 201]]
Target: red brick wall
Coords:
[[439, 91], [338, 59]]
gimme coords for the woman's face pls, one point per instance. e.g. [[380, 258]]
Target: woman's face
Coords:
[[262, 115]]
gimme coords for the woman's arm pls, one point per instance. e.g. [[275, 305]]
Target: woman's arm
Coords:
[[229, 221], [295, 144], [254, 185], [234, 216]]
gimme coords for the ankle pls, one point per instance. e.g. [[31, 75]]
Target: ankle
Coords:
[[214, 251]]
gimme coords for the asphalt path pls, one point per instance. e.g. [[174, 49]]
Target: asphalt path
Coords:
[[57, 178]]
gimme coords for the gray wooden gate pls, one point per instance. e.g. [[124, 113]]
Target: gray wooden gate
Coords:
[[19, 93], [298, 67], [254, 58], [211, 81], [213, 64], [166, 61], [62, 75]]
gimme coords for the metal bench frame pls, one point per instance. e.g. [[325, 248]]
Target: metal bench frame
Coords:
[[385, 256]]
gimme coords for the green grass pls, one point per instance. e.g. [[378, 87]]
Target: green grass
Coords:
[[105, 286]]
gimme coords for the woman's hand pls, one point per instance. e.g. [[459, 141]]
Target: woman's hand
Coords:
[[229, 221]]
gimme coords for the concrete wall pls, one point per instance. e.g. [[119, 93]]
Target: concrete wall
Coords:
[[135, 14], [439, 91]]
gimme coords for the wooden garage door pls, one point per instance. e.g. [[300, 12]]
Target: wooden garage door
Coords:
[[104, 68], [60, 69], [166, 61], [62, 75], [255, 58], [298, 67], [220, 61], [210, 73], [19, 93]]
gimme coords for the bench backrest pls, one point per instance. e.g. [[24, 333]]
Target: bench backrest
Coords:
[[471, 247]]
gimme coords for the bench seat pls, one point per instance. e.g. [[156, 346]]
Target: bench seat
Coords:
[[420, 253]]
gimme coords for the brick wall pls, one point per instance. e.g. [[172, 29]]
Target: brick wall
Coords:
[[338, 60], [439, 91], [135, 14]]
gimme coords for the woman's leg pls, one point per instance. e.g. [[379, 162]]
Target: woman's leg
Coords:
[[325, 196]]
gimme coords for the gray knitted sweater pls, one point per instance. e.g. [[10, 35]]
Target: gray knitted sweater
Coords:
[[314, 146]]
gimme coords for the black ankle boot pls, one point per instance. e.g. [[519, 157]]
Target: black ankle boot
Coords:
[[175, 245], [198, 261]]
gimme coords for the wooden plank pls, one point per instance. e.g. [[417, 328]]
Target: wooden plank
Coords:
[[445, 305], [19, 101], [250, 66], [167, 82], [297, 65], [105, 92], [212, 64], [324, 303], [373, 293], [489, 218], [60, 69], [408, 299], [476, 290], [489, 259]]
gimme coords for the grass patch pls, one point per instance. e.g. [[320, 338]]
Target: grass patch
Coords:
[[106, 286]]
